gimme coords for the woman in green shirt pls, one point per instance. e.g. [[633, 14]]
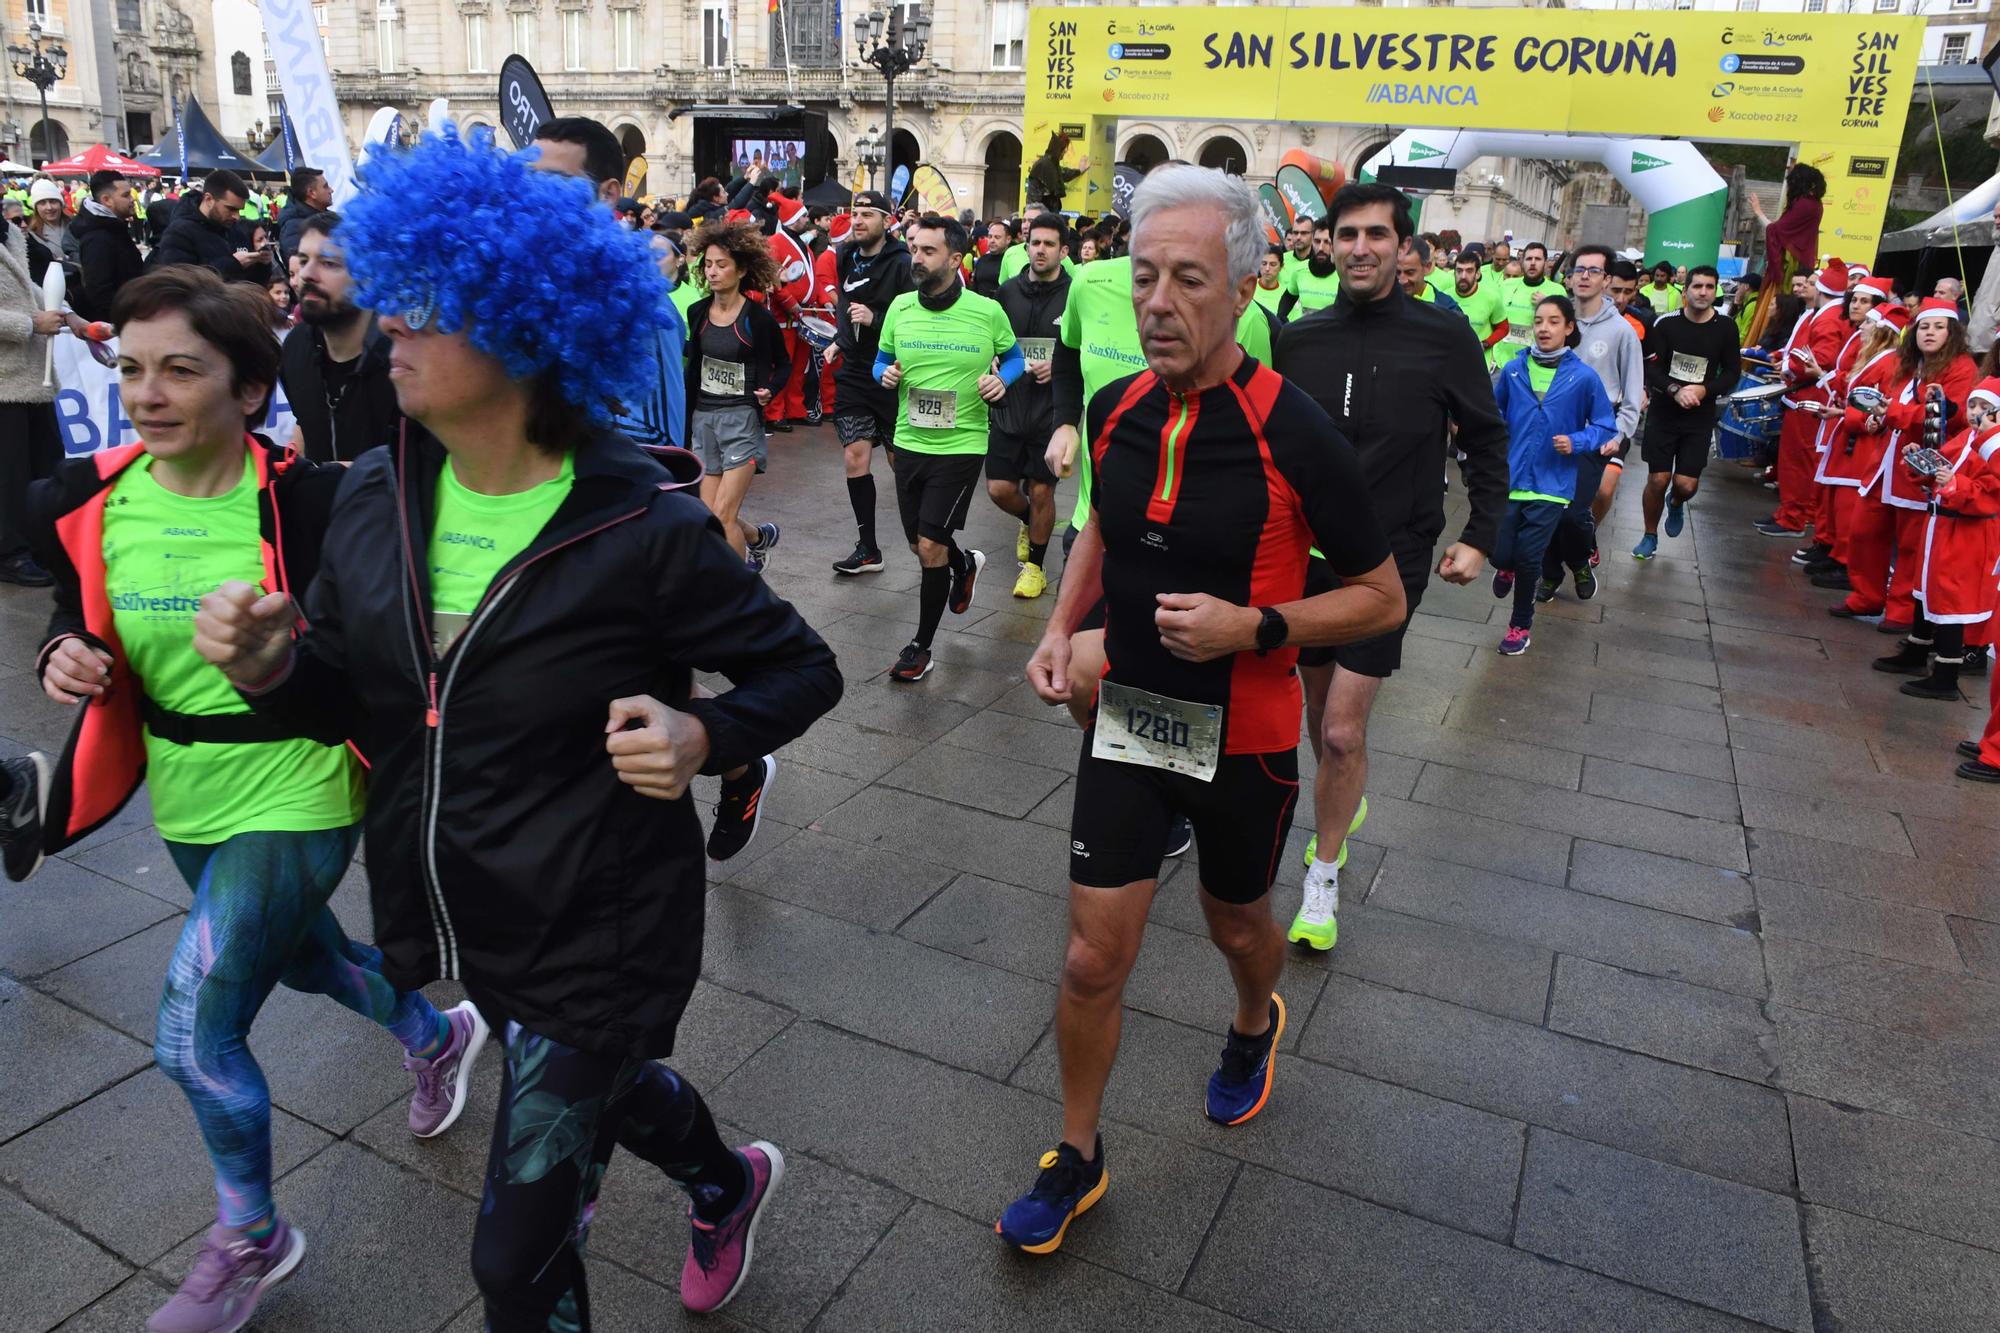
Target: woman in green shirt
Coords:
[[260, 821]]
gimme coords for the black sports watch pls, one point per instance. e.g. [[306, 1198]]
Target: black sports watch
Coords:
[[1271, 631]]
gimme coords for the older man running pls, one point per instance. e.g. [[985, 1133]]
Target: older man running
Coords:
[[1214, 477]]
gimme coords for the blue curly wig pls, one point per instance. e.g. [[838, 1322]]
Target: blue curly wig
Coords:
[[466, 236]]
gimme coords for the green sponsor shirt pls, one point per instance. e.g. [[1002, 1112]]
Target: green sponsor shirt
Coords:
[[1483, 308], [1269, 297], [1313, 291], [1442, 280], [1663, 299], [1519, 300], [943, 353], [1015, 258], [162, 553], [1292, 264], [684, 295], [475, 536]]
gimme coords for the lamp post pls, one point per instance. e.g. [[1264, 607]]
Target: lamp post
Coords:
[[44, 69], [868, 151], [893, 47]]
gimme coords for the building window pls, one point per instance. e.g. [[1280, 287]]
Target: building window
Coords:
[[625, 38], [475, 43], [1010, 33], [129, 19], [524, 34], [1887, 6], [1815, 6], [38, 13], [715, 34], [320, 14], [1747, 6], [388, 35], [239, 75], [1955, 44], [802, 34], [276, 106], [1963, 4], [574, 34]]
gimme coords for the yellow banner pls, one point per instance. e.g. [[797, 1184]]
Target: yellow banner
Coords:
[[1772, 78], [1655, 74]]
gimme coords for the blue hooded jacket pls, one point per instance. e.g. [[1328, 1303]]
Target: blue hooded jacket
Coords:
[[1576, 405]]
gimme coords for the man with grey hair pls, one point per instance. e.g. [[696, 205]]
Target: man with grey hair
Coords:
[[1214, 477]]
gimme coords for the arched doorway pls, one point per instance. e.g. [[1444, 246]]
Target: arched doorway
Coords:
[[48, 141], [633, 140], [1144, 152], [904, 152], [1225, 154], [1003, 175]]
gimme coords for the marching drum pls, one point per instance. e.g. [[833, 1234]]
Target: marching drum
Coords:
[[1751, 417]]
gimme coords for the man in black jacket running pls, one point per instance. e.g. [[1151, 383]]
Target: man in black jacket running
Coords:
[[1018, 478], [873, 269], [1393, 374]]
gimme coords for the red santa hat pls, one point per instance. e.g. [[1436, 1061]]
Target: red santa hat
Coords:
[[1892, 314], [1882, 287], [790, 211], [837, 229], [1932, 305], [1988, 388], [1832, 279]]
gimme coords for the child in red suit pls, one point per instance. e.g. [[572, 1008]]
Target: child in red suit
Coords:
[[1953, 582]]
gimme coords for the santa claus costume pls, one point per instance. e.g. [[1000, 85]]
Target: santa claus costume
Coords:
[[1888, 520], [1823, 558], [1808, 358], [1862, 540], [1953, 578]]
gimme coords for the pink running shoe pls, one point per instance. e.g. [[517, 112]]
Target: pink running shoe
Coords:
[[1514, 642], [1503, 582], [229, 1277], [719, 1255], [441, 1080]]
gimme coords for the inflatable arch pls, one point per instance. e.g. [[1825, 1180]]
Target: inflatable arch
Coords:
[[1683, 197]]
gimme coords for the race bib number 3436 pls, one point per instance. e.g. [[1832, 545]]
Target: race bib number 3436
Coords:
[[724, 379], [933, 409], [1134, 727]]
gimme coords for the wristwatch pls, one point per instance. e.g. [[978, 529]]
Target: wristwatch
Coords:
[[1271, 631]]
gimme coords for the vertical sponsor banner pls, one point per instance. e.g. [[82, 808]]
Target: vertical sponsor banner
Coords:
[[307, 86], [523, 103], [89, 415]]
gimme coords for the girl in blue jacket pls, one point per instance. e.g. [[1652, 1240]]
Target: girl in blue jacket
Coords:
[[1556, 409]]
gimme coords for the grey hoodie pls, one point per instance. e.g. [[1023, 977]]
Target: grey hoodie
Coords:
[[1609, 347]]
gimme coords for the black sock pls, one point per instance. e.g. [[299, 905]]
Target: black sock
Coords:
[[936, 591], [861, 494], [954, 559], [1038, 553]]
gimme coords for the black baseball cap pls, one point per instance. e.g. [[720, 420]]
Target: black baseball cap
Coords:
[[874, 199]]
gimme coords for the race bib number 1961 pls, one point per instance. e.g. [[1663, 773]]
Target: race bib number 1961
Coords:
[[1134, 727], [1687, 369], [933, 409]]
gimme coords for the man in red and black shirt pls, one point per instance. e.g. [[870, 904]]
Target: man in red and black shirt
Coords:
[[1214, 478]]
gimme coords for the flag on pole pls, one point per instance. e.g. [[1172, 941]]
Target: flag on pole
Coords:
[[836, 24], [771, 6], [180, 134]]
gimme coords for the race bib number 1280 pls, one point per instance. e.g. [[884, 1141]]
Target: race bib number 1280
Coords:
[[1134, 727]]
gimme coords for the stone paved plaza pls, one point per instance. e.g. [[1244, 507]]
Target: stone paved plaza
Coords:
[[1666, 999]]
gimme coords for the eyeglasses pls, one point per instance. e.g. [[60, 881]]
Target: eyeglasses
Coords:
[[1588, 270]]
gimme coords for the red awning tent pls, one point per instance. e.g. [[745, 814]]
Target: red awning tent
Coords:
[[98, 158]]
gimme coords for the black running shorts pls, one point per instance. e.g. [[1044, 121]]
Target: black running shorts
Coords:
[[1676, 446], [1381, 655], [934, 492], [1242, 817], [1017, 458], [852, 424]]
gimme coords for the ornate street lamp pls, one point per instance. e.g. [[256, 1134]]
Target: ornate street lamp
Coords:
[[893, 46], [868, 151], [44, 68]]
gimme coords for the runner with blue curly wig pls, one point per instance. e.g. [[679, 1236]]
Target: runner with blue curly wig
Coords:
[[512, 603]]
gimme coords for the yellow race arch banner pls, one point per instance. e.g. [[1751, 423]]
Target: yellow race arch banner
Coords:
[[1836, 86]]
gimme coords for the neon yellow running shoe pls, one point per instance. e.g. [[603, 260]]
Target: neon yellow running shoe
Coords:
[[1032, 581], [1315, 925], [1021, 544], [1312, 844]]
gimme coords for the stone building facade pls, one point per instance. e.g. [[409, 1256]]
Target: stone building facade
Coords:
[[130, 62]]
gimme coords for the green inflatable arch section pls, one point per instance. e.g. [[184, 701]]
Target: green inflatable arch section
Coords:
[[1683, 197]]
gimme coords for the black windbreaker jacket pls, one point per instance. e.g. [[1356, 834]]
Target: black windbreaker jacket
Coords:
[[502, 848], [1034, 310], [882, 279], [1392, 373]]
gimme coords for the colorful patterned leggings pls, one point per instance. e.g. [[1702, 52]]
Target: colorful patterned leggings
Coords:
[[260, 920], [561, 1112]]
